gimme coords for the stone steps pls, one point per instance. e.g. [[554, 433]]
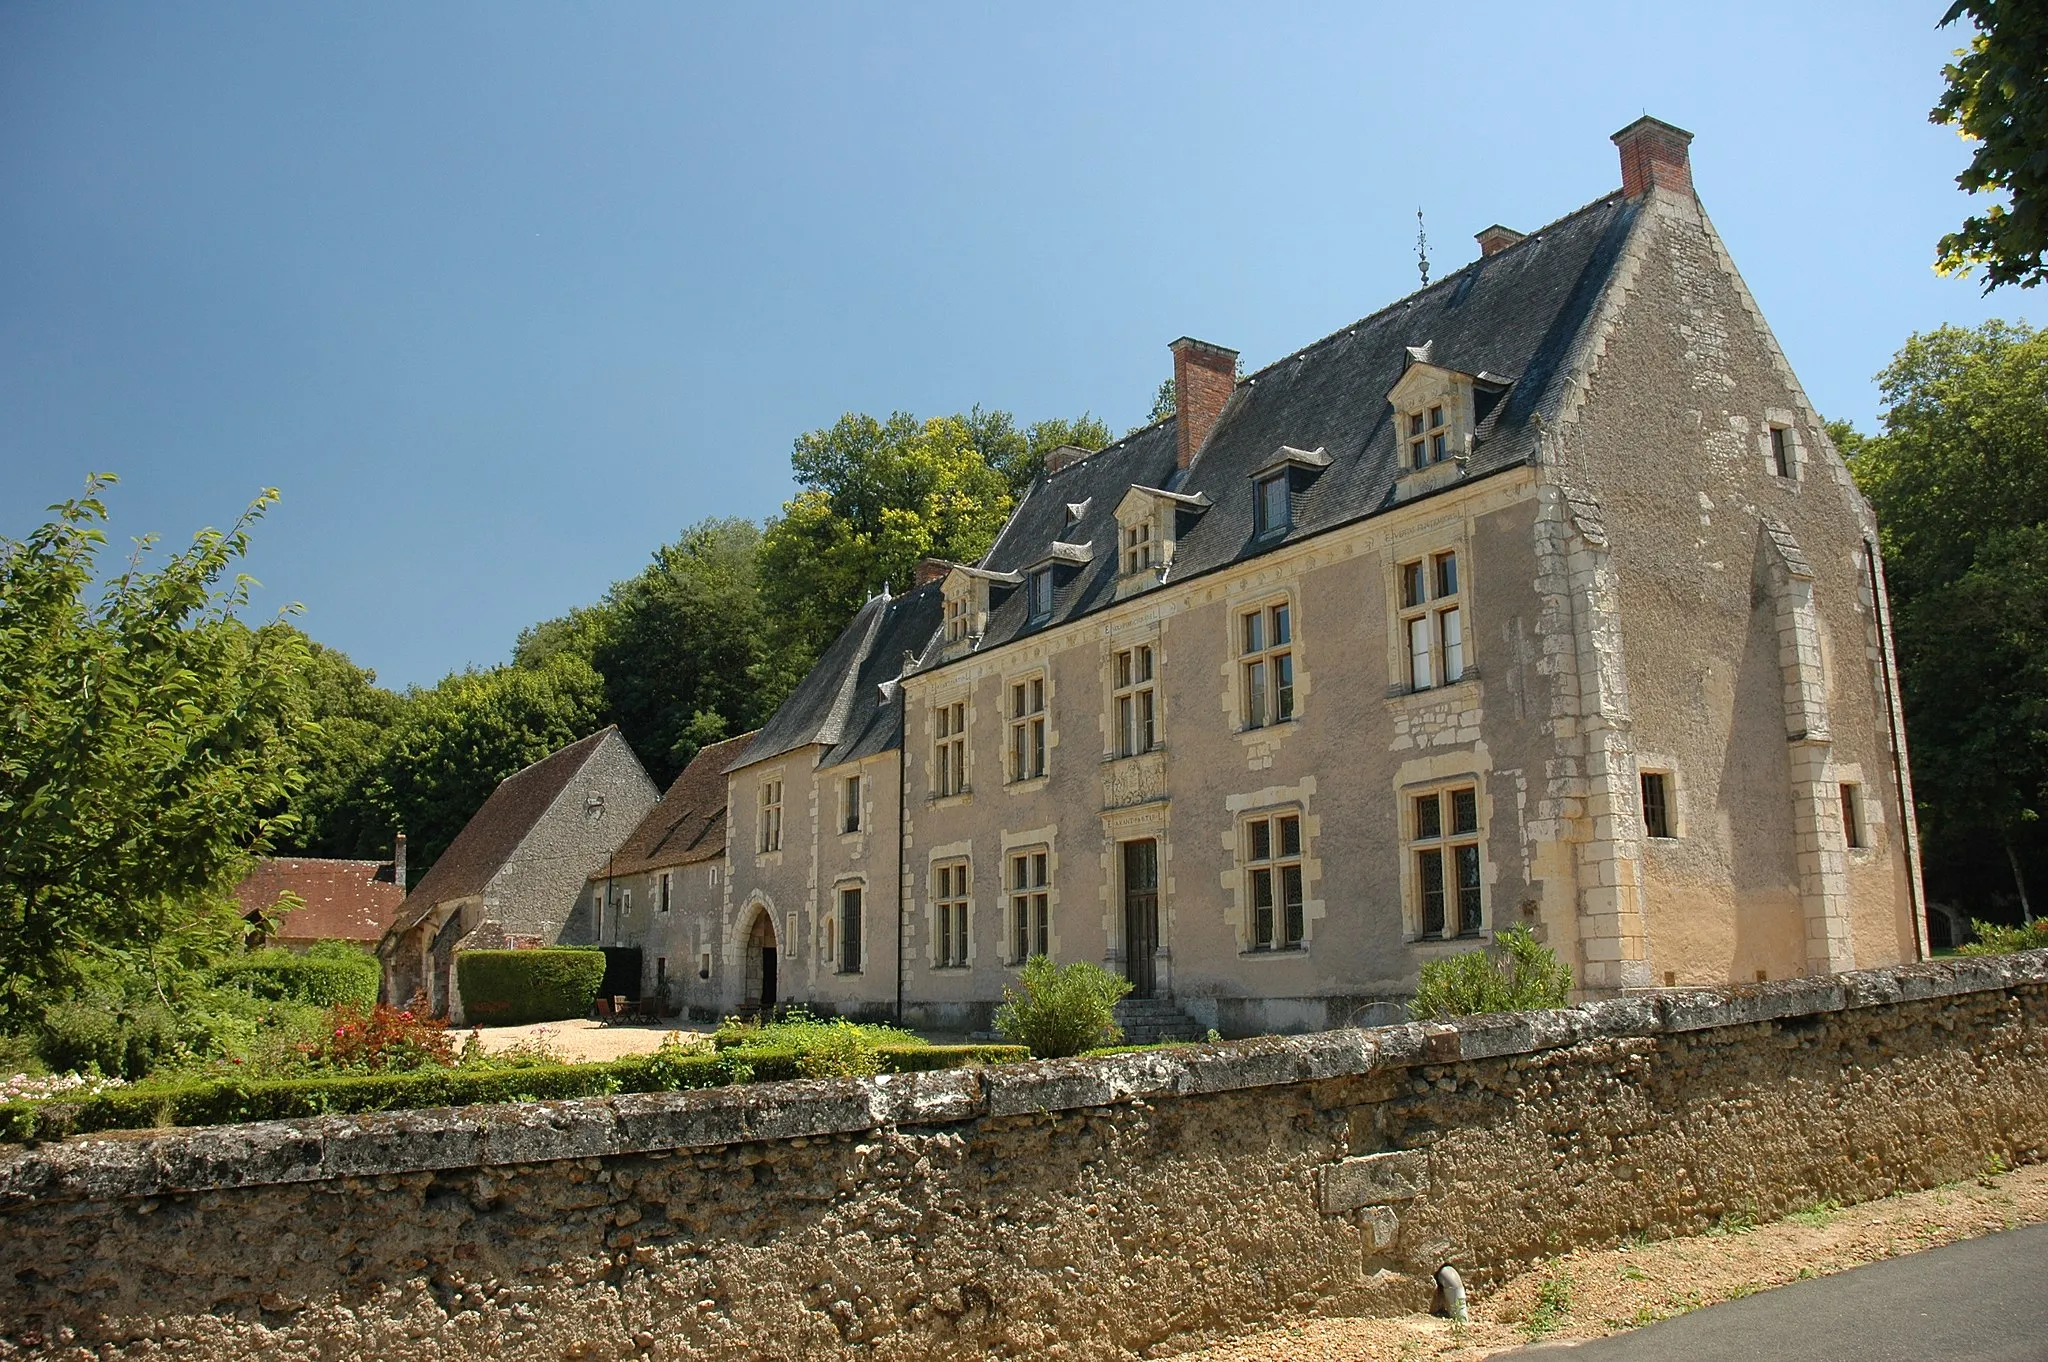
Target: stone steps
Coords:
[[1146, 1021]]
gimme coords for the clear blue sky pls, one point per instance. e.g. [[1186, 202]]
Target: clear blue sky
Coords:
[[503, 295]]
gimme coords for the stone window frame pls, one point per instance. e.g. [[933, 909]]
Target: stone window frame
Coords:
[[951, 719], [1027, 726], [1283, 936], [1677, 798], [949, 886], [1268, 520], [852, 798], [666, 896], [1660, 814], [768, 808], [1028, 898], [1776, 420], [1244, 657], [1415, 846], [959, 618], [1870, 821], [1426, 433], [834, 943], [1139, 546], [1414, 566], [1126, 692]]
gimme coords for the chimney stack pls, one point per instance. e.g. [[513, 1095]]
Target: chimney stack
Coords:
[[398, 861], [1495, 239], [1066, 456], [929, 570], [1654, 152], [1204, 376]]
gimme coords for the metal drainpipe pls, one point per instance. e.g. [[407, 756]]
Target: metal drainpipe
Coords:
[[902, 822], [1907, 839]]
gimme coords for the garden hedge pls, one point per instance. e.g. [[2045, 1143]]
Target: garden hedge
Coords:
[[322, 977], [149, 1105], [506, 988]]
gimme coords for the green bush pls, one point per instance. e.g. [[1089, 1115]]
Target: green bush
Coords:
[[797, 1029], [97, 1034], [842, 1050], [1526, 976], [1993, 938], [328, 974], [506, 988], [1058, 1012]]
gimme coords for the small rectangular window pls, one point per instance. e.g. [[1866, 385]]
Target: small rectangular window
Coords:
[[1030, 922], [667, 890], [1852, 815], [1781, 451], [1657, 805], [849, 820], [949, 749], [770, 832], [1432, 621], [850, 930], [1267, 666], [1273, 512], [1137, 720], [1273, 881], [1027, 728], [1137, 547], [1041, 593], [1444, 834], [949, 902]]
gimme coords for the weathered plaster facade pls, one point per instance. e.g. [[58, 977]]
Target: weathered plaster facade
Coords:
[[1538, 597]]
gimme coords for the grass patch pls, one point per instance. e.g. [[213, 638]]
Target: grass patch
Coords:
[[1817, 1216], [1553, 1303]]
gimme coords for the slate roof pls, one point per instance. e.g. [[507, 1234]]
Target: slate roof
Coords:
[[841, 703], [688, 825], [343, 900], [495, 831], [1516, 315]]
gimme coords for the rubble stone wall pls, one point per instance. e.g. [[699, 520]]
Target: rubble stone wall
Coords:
[[1081, 1209]]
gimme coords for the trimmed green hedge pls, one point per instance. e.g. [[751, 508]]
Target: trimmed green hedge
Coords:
[[204, 1102], [506, 988], [323, 977]]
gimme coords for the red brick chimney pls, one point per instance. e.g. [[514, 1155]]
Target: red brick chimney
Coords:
[[1497, 238], [929, 570], [1654, 153], [1204, 376], [1065, 457]]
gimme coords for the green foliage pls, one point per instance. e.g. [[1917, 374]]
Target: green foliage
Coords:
[[327, 974], [87, 1036], [1526, 976], [1553, 1303], [1062, 1011], [1997, 98], [1959, 480], [1019, 454], [1993, 938], [151, 739], [875, 498], [351, 715], [219, 1100], [1165, 402], [510, 988], [843, 1050]]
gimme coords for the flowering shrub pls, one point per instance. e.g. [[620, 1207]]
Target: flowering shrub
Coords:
[[1993, 938], [384, 1040], [30, 1088]]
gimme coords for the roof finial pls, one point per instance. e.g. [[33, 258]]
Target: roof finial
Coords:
[[1421, 248]]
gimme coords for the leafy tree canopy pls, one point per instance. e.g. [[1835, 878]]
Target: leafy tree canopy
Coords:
[[1959, 479], [1997, 98], [876, 497], [151, 736], [1019, 453]]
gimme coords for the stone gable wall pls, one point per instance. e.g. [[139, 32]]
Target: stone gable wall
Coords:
[[1086, 1209]]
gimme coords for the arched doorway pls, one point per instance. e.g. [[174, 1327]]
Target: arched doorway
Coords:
[[761, 963]]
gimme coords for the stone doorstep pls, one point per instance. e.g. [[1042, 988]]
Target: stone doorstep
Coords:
[[326, 1148]]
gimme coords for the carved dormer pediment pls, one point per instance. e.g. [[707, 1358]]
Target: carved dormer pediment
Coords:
[[1438, 412], [970, 594], [1150, 522]]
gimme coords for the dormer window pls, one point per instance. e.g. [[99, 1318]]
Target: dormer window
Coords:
[[958, 611], [1428, 437], [1273, 512], [1138, 547], [1040, 598]]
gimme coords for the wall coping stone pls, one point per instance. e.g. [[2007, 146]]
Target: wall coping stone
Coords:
[[134, 1164]]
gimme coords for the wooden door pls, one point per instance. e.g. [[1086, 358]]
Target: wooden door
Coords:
[[1141, 915]]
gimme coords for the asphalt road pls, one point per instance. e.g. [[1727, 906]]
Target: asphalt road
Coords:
[[1982, 1300]]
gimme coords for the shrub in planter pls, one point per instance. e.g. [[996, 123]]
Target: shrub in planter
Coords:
[[1059, 1012], [554, 983], [1526, 976], [327, 975]]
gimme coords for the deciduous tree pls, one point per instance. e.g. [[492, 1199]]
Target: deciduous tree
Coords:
[[1997, 98]]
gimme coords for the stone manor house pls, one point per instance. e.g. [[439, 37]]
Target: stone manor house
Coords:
[[1537, 597]]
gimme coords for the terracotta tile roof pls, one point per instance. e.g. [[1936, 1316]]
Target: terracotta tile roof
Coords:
[[495, 831], [688, 825], [344, 900]]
